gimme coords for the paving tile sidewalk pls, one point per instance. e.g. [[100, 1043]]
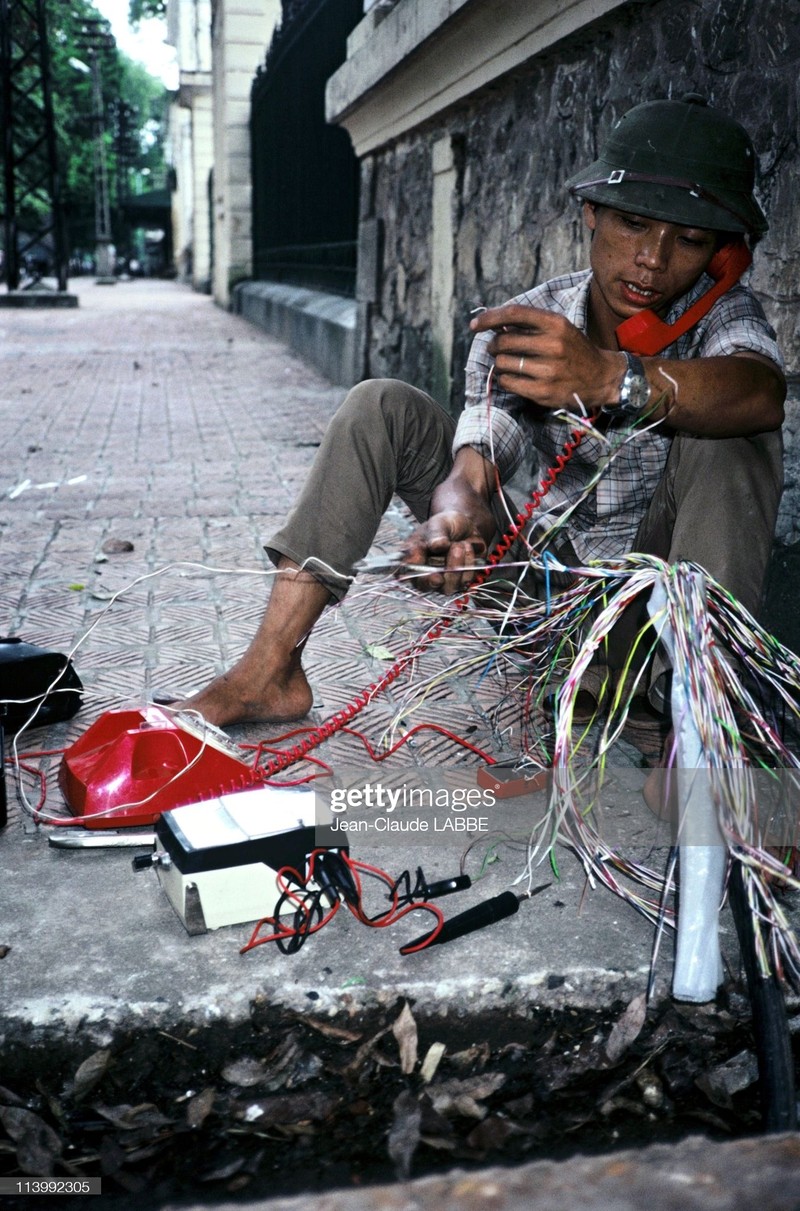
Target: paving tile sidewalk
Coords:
[[149, 416]]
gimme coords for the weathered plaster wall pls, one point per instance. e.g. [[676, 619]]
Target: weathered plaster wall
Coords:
[[241, 33], [516, 142]]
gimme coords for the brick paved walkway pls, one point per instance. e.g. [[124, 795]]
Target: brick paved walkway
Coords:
[[150, 416]]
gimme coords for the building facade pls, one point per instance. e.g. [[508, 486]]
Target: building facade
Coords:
[[469, 115], [240, 33], [191, 149]]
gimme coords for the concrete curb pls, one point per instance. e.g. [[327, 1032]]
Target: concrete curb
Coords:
[[693, 1175], [320, 327]]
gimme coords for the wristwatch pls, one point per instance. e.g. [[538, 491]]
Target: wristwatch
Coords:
[[634, 390]]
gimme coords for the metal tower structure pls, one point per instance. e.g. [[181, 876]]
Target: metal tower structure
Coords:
[[126, 150], [31, 195], [95, 40]]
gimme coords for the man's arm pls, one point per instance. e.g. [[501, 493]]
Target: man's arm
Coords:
[[541, 357], [732, 396], [545, 359], [461, 527]]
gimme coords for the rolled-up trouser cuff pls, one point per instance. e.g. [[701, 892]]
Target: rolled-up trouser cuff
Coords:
[[337, 583]]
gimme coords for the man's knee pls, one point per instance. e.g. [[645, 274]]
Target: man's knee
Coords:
[[726, 498], [406, 417], [387, 395], [741, 475]]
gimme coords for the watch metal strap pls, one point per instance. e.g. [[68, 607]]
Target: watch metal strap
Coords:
[[634, 369]]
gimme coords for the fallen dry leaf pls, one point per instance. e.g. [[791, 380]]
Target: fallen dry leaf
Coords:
[[491, 1133], [339, 1033], [199, 1108], [365, 1052], [38, 1146], [615, 1104], [283, 1108], [132, 1118], [245, 1072], [404, 1030], [441, 1143], [378, 651], [461, 1097], [404, 1133], [478, 1055], [221, 1172], [90, 1073], [626, 1029], [289, 1065], [431, 1062], [719, 1084]]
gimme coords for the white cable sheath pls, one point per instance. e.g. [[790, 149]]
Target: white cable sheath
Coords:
[[703, 854]]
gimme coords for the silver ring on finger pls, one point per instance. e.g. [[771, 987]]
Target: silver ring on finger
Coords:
[[521, 364]]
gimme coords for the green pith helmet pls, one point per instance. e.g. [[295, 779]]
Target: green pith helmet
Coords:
[[679, 161]]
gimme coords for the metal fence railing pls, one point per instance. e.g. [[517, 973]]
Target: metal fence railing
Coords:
[[305, 173]]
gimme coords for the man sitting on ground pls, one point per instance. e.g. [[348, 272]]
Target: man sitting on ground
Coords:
[[671, 190]]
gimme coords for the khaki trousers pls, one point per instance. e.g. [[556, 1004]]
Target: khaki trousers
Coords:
[[716, 504], [386, 438]]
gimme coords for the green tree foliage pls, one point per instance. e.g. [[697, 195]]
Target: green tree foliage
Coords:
[[139, 9], [123, 82]]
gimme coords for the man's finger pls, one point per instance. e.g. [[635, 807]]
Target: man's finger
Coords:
[[460, 564], [512, 315]]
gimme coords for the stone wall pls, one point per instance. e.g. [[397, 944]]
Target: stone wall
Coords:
[[516, 142]]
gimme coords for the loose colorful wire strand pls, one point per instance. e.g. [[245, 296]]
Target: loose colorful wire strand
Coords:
[[720, 649]]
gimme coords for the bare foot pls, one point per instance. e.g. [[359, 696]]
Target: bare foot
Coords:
[[268, 685], [660, 791], [238, 697]]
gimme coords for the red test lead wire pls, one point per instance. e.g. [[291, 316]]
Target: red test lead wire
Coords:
[[341, 719], [295, 890]]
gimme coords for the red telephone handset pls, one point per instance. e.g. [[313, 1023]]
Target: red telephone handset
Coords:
[[647, 335]]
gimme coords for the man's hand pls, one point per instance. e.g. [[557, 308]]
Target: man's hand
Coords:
[[544, 358], [453, 540], [461, 526]]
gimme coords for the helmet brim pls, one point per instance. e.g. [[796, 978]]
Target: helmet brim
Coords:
[[671, 203]]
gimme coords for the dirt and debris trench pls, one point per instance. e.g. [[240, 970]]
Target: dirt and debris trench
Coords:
[[289, 1103]]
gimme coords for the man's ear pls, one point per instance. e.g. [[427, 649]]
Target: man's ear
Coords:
[[590, 215]]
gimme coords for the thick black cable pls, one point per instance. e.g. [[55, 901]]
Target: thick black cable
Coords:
[[770, 1023]]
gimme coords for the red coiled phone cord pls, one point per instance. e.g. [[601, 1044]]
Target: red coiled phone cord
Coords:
[[343, 717]]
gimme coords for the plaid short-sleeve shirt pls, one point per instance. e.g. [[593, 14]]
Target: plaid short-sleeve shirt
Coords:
[[507, 431]]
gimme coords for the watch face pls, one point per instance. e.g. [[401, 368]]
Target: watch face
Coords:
[[638, 392], [634, 390]]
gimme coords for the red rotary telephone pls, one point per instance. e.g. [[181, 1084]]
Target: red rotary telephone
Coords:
[[646, 334]]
